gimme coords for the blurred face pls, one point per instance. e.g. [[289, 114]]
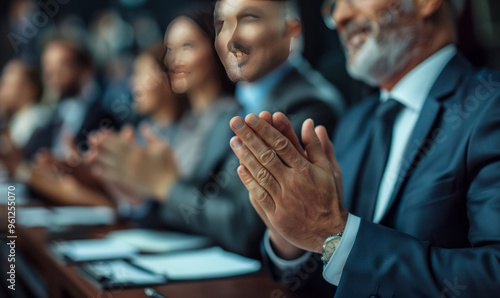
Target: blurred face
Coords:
[[60, 70], [151, 85], [189, 57], [379, 37], [13, 88], [253, 37]]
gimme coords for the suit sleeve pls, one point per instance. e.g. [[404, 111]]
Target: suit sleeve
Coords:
[[219, 206], [388, 263]]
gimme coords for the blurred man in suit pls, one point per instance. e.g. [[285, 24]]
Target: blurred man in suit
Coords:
[[420, 176], [253, 40], [259, 43], [69, 75]]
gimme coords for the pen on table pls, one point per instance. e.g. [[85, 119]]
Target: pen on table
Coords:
[[152, 293]]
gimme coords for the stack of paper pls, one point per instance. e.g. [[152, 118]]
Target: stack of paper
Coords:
[[65, 216], [121, 272], [151, 241], [93, 249], [126, 243], [207, 263]]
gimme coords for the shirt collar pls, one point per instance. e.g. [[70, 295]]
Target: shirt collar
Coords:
[[412, 90], [253, 95]]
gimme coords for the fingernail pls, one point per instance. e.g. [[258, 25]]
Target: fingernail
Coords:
[[252, 120], [242, 170], [237, 123], [236, 143]]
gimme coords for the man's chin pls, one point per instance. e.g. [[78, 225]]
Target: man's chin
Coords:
[[234, 77], [237, 75], [361, 72]]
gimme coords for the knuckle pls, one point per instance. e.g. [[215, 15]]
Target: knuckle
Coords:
[[249, 136], [263, 176], [282, 146], [261, 195], [246, 179], [266, 131], [246, 155], [267, 157]]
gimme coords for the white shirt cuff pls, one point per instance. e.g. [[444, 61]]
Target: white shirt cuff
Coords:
[[280, 263], [333, 270]]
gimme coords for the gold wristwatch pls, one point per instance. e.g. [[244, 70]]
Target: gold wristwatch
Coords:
[[329, 246]]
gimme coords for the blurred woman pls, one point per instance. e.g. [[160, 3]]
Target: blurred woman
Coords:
[[196, 71], [201, 137], [153, 95]]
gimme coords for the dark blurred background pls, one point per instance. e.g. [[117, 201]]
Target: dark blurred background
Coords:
[[115, 30]]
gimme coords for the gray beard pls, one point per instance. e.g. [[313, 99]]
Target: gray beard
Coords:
[[382, 58]]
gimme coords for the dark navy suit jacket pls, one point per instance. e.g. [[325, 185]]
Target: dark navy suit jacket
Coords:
[[96, 118], [441, 234]]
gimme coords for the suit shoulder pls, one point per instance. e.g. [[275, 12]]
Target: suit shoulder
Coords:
[[303, 84], [476, 94]]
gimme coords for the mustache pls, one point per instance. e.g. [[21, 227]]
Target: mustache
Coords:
[[237, 47]]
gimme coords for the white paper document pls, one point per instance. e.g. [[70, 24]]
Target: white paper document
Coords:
[[207, 263], [150, 241], [120, 271], [93, 249], [65, 216]]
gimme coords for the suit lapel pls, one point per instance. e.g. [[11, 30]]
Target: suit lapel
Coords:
[[220, 134], [352, 157], [444, 89], [414, 151]]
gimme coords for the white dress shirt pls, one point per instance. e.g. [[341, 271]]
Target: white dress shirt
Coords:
[[252, 96], [26, 121], [411, 91]]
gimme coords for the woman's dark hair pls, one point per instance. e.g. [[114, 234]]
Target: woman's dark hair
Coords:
[[202, 14], [157, 52]]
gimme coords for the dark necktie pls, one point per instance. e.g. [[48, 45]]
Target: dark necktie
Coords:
[[375, 159]]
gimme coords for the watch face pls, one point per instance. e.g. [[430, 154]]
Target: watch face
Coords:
[[330, 247]]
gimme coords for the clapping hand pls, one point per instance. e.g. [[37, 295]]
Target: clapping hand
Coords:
[[146, 171], [298, 193]]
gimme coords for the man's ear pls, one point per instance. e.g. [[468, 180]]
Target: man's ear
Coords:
[[294, 27], [426, 8]]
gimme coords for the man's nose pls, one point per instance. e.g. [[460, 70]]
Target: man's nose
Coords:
[[232, 36]]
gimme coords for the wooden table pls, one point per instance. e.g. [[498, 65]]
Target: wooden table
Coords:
[[65, 280]]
